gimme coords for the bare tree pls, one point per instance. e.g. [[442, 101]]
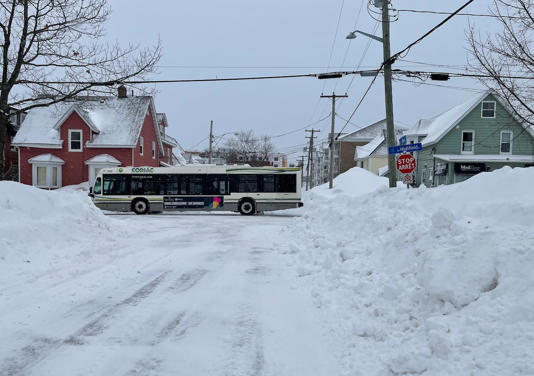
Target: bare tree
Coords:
[[245, 147], [51, 50], [506, 55]]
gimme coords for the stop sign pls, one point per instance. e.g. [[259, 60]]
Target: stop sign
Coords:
[[406, 163]]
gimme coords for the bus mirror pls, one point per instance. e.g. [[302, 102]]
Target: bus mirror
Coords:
[[90, 189]]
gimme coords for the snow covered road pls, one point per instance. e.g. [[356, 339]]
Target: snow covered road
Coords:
[[186, 294]]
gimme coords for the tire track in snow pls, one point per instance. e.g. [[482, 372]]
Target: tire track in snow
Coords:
[[175, 328], [41, 347], [247, 351]]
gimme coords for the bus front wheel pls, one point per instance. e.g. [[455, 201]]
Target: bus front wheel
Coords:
[[140, 206], [247, 207]]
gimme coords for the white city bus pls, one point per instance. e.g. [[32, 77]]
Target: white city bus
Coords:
[[243, 189]]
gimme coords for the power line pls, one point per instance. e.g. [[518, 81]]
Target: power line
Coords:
[[398, 54], [359, 103], [447, 13], [438, 85]]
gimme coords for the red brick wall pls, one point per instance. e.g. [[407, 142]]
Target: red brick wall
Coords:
[[168, 156], [74, 171], [148, 132]]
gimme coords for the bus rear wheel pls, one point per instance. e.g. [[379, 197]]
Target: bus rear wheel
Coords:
[[140, 206], [247, 207]]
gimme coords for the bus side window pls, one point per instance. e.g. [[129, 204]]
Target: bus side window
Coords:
[[286, 183], [268, 183], [172, 185], [196, 185], [248, 183], [98, 186], [183, 185]]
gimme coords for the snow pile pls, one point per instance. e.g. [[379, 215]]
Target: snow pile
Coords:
[[41, 229], [424, 281]]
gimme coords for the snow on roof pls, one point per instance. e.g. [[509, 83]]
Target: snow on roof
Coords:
[[368, 132], [434, 128], [365, 151], [118, 120], [169, 140], [46, 158], [383, 170], [104, 159], [485, 158]]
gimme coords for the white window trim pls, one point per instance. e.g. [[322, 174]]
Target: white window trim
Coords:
[[81, 140], [141, 146], [153, 149], [482, 110], [462, 142], [511, 143], [48, 167]]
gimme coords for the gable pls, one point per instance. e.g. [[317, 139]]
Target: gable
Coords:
[[487, 132]]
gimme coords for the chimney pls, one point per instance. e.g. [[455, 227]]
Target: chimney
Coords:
[[122, 92]]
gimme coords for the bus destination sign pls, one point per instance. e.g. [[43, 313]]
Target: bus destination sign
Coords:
[[170, 202]]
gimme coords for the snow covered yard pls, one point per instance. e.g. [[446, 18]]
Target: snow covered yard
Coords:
[[423, 281], [361, 281], [82, 293]]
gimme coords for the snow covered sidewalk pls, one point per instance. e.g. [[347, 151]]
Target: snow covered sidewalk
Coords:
[[87, 294], [423, 281]]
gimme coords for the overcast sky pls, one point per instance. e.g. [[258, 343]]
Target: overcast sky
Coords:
[[207, 39]]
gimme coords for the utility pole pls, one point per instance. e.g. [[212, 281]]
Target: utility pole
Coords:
[[301, 162], [310, 157], [331, 171], [388, 89], [211, 143]]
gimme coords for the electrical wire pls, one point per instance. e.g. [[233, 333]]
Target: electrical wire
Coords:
[[398, 54], [359, 103], [447, 13], [437, 85]]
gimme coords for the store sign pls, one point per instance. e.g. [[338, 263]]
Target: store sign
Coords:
[[215, 202], [469, 168], [441, 169]]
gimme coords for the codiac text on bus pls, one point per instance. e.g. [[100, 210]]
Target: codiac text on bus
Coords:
[[143, 169]]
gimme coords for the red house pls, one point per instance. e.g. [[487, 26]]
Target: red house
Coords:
[[69, 142]]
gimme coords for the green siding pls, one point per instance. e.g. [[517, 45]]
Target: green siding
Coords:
[[487, 133], [487, 141]]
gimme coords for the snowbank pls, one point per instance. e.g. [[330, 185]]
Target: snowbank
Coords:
[[40, 229], [435, 281]]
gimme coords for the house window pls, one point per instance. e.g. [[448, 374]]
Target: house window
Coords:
[[75, 140], [47, 176], [141, 145], [468, 142], [488, 109], [41, 176], [153, 149], [506, 142]]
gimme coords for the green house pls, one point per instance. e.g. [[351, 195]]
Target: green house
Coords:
[[478, 135]]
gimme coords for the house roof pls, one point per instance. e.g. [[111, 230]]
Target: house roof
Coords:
[[437, 127], [485, 158], [103, 159], [46, 158], [368, 132], [115, 121], [365, 151]]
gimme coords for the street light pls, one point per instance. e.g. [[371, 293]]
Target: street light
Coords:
[[352, 35], [390, 128]]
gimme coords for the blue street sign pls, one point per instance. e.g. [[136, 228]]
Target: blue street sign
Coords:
[[402, 140], [405, 148]]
